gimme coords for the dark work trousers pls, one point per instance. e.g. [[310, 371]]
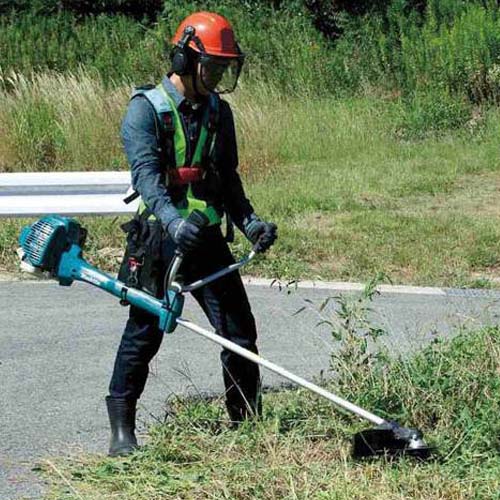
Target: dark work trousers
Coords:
[[226, 306]]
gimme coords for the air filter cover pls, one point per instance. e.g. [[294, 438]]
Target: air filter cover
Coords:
[[44, 241]]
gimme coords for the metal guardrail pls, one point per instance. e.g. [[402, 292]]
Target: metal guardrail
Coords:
[[65, 193]]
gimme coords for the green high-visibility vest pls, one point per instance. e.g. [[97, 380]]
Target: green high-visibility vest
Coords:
[[163, 104]]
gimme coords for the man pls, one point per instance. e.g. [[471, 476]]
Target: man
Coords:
[[180, 142]]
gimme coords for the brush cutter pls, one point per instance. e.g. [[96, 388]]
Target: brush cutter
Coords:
[[53, 245]]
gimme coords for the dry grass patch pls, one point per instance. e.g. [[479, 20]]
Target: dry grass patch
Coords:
[[475, 195]]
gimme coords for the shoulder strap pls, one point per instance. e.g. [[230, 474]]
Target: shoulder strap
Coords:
[[212, 125], [165, 123], [161, 106], [213, 116]]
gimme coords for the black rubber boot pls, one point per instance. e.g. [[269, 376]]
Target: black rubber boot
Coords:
[[250, 411], [121, 414]]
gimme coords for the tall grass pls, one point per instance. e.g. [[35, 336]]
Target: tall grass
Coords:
[[117, 48], [55, 121], [112, 47], [52, 121], [453, 47], [350, 193]]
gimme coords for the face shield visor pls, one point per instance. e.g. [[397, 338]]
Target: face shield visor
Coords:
[[220, 74]]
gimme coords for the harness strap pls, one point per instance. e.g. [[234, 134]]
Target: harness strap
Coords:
[[213, 122], [170, 133], [181, 176], [131, 197]]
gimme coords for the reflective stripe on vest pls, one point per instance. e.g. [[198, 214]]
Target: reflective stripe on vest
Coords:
[[163, 103]]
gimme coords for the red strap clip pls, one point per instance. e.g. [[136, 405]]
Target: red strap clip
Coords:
[[133, 264], [185, 175]]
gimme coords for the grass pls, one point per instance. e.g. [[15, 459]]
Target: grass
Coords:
[[300, 449], [353, 184]]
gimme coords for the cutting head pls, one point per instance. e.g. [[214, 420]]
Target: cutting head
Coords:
[[390, 440]]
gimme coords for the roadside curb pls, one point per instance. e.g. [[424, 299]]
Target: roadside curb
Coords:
[[338, 286], [341, 286]]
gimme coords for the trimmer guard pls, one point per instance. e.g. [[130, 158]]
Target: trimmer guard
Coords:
[[390, 440]]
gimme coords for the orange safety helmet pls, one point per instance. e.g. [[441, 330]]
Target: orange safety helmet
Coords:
[[214, 31], [208, 38]]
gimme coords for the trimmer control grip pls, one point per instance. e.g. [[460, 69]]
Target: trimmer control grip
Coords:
[[197, 218]]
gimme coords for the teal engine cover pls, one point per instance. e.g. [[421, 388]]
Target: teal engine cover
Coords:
[[45, 241]]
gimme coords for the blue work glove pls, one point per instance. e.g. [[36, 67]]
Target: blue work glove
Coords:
[[261, 234], [186, 235]]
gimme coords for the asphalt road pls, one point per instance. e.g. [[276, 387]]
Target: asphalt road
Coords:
[[57, 347]]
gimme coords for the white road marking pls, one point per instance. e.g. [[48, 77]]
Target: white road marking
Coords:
[[341, 286]]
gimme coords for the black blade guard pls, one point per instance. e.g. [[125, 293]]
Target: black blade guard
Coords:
[[391, 441]]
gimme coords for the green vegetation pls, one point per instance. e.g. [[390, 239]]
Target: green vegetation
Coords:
[[300, 449], [370, 136], [111, 47], [116, 48], [351, 195], [448, 46], [61, 122]]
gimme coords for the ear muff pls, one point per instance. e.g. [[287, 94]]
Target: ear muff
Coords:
[[181, 60]]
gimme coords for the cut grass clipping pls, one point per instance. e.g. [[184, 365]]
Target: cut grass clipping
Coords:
[[301, 447]]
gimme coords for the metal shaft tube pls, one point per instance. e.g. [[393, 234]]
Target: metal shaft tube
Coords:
[[173, 271], [360, 412]]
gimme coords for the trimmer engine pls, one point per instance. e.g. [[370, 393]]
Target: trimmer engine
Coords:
[[44, 242], [53, 245]]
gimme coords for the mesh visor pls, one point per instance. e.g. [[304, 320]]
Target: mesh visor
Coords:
[[220, 74]]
